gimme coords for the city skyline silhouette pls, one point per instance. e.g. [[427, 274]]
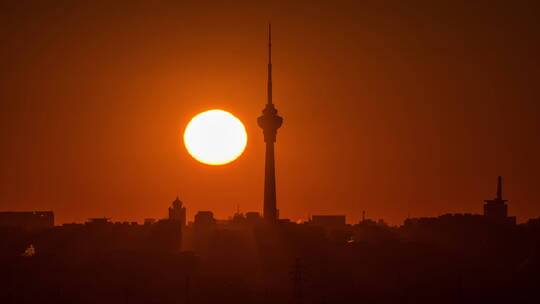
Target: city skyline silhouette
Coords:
[[452, 258]]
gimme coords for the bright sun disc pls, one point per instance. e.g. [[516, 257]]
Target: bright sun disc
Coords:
[[215, 137]]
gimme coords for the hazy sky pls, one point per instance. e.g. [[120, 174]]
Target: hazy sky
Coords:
[[391, 107]]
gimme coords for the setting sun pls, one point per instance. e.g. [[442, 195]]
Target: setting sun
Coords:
[[215, 137]]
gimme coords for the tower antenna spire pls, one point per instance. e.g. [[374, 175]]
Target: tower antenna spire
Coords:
[[269, 90]]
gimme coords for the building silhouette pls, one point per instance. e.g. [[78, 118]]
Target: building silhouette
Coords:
[[98, 221], [177, 212], [253, 217], [330, 221], [497, 208], [270, 122], [32, 220], [204, 219], [166, 235], [240, 260], [204, 230]]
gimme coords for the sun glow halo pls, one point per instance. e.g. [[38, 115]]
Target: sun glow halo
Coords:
[[215, 137]]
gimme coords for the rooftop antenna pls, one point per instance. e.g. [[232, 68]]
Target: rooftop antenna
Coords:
[[499, 188]]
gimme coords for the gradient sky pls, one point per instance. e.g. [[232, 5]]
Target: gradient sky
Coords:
[[390, 107]]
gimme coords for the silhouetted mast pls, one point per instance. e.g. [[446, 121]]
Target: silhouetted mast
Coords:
[[499, 188]]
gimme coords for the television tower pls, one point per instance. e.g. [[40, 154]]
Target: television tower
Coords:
[[270, 122]]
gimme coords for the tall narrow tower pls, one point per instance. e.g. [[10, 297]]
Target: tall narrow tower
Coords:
[[270, 122]]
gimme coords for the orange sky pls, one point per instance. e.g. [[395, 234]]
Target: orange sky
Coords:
[[388, 108]]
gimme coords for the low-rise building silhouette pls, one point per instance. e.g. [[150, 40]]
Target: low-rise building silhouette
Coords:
[[328, 221], [33, 220]]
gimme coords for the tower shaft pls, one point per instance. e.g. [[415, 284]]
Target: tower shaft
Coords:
[[270, 202]]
